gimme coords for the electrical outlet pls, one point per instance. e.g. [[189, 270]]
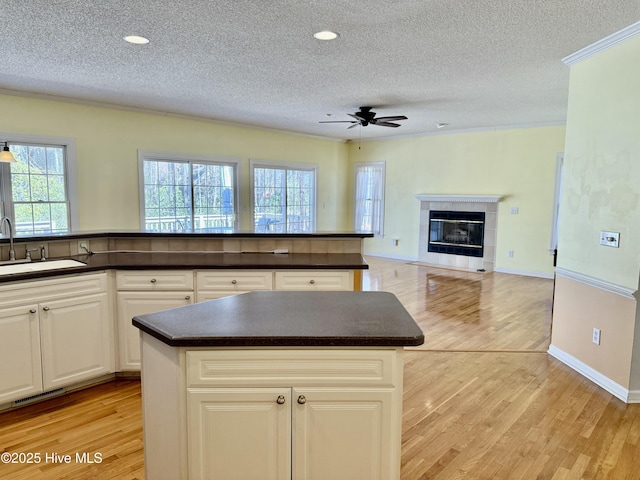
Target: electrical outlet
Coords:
[[515, 210], [510, 254], [83, 247], [596, 336], [610, 239]]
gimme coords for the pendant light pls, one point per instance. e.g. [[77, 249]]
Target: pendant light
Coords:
[[6, 155]]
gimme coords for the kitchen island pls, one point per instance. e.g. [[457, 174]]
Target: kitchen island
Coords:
[[275, 385]]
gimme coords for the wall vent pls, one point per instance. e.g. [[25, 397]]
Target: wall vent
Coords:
[[40, 396]]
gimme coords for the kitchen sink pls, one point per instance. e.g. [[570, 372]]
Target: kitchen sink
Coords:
[[39, 266]]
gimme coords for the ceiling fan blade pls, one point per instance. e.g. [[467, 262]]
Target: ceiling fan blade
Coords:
[[387, 124], [339, 121], [391, 119], [357, 117], [355, 124]]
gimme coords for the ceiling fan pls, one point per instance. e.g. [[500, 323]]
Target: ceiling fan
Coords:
[[365, 116]]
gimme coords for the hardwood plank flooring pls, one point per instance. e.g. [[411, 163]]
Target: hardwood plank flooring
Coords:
[[482, 400]]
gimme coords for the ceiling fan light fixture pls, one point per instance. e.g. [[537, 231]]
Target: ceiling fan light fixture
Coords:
[[136, 39], [325, 35]]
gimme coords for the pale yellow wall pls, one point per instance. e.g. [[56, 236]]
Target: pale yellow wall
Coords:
[[601, 191], [516, 163], [601, 188], [108, 141]]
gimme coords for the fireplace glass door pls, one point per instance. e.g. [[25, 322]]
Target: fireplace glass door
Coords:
[[456, 233]]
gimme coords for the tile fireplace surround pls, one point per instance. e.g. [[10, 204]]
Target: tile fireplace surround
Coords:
[[460, 203]]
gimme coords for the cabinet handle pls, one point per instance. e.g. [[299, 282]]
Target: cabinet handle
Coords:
[[153, 280], [46, 309], [312, 281], [280, 400], [188, 297], [33, 310], [233, 282], [302, 399]]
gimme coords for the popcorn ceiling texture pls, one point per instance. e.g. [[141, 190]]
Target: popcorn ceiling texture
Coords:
[[474, 64]]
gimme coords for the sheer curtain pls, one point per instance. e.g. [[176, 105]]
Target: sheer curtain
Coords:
[[369, 204]]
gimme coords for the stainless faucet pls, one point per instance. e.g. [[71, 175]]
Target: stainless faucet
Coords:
[[12, 252]]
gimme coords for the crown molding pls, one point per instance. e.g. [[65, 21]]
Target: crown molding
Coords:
[[604, 44]]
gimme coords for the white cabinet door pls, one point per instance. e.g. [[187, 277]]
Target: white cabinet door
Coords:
[[20, 368], [130, 304], [239, 434], [343, 434], [76, 339]]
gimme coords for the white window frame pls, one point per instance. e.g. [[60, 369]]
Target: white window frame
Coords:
[[377, 227], [256, 163], [70, 173], [186, 158]]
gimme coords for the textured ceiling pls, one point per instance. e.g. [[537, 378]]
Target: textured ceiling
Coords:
[[469, 63]]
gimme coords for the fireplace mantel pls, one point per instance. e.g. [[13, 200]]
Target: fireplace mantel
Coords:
[[459, 198]]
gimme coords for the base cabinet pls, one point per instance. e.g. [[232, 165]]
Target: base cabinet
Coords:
[[20, 364], [130, 304], [271, 413], [76, 340], [63, 336], [299, 433], [140, 292], [239, 433]]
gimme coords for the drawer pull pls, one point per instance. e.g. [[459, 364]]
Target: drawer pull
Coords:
[[46, 309], [153, 280], [312, 281], [33, 310], [280, 400], [233, 282], [188, 297], [302, 399]]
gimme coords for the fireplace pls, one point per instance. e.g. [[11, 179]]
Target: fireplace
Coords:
[[456, 233]]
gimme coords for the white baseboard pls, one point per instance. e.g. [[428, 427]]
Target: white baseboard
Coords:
[[392, 257], [596, 377], [525, 273]]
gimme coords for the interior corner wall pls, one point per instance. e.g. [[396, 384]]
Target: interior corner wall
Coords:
[[601, 191], [108, 140], [517, 163]]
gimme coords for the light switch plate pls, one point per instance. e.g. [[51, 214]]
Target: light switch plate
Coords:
[[610, 239]]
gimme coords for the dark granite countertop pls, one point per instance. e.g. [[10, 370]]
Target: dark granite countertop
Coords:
[[199, 260], [287, 319], [204, 233]]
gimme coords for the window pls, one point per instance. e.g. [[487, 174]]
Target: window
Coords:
[[284, 197], [187, 194], [369, 202], [35, 192]]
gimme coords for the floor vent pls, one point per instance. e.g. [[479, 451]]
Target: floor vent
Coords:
[[38, 397]]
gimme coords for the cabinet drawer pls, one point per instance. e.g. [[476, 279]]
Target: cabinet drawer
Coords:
[[314, 280], [234, 281], [154, 280], [51, 289], [317, 367]]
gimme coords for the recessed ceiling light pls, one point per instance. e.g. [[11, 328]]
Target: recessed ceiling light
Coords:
[[136, 40], [325, 35]]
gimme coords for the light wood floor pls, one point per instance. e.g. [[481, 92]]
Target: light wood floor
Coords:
[[482, 400]]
